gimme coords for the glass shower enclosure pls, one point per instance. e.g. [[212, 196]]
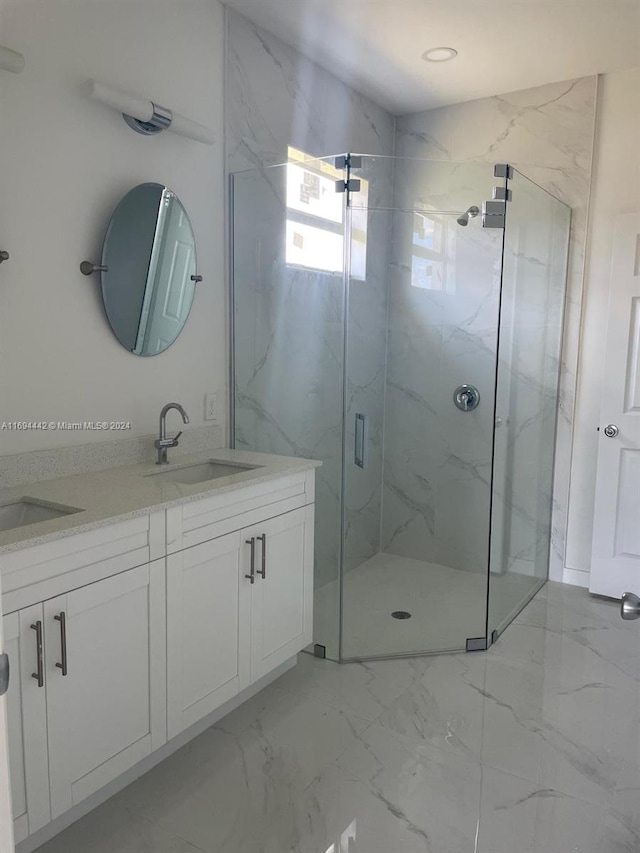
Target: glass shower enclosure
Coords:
[[401, 321]]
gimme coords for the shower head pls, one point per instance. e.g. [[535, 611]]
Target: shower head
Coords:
[[471, 212]]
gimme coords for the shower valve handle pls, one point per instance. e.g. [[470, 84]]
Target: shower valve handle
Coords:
[[466, 397]]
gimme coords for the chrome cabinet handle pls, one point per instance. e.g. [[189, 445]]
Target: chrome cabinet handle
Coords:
[[62, 619], [39, 674], [252, 542], [263, 571]]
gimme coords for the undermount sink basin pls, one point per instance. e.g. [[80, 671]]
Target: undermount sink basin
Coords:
[[28, 511], [202, 472]]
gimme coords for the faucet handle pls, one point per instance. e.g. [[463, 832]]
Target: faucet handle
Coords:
[[176, 437]]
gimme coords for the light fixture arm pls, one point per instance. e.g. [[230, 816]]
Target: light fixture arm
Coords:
[[146, 117]]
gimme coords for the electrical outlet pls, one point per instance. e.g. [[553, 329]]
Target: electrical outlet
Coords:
[[211, 407]]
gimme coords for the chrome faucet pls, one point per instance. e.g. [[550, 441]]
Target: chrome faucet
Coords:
[[163, 443]]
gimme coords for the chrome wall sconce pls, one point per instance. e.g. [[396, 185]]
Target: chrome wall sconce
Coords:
[[148, 118]]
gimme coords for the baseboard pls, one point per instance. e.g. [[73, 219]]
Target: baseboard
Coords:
[[573, 577], [56, 826]]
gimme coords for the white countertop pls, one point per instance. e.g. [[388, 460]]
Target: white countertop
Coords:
[[117, 494]]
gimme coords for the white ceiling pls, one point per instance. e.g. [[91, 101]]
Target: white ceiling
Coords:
[[503, 45]]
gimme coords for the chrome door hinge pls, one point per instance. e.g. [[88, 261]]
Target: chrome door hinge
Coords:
[[501, 194], [493, 213], [476, 644], [352, 186], [503, 170], [348, 162], [4, 673]]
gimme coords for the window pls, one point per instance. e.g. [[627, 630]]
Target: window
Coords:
[[429, 252], [315, 217]]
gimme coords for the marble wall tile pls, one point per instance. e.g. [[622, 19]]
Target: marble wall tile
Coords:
[[436, 491], [547, 133], [276, 97]]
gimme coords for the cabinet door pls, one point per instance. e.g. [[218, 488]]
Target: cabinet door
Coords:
[[282, 595], [27, 723], [106, 681], [208, 625]]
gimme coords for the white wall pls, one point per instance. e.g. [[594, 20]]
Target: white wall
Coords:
[[66, 161], [615, 190]]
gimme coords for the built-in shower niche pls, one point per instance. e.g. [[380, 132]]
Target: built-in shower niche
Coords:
[[421, 507]]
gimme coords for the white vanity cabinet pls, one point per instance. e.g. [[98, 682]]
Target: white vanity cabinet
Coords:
[[105, 681], [27, 719], [122, 637], [208, 607], [282, 594], [86, 699], [238, 606]]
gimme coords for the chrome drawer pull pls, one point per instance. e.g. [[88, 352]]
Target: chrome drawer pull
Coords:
[[252, 543], [263, 571], [39, 674], [62, 619]]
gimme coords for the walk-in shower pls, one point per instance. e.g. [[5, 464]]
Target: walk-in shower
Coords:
[[401, 320]]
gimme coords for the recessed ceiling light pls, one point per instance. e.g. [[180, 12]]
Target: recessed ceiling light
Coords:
[[439, 54]]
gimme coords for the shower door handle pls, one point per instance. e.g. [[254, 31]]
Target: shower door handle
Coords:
[[361, 440]]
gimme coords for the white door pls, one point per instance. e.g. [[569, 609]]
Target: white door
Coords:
[[106, 681], [282, 595], [169, 283], [615, 564], [27, 718], [208, 630], [6, 821]]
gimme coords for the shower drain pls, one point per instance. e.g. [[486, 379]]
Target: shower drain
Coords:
[[401, 614]]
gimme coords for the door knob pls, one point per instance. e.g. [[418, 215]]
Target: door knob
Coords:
[[611, 430], [630, 606]]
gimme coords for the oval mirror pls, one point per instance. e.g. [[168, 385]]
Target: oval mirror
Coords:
[[150, 257]]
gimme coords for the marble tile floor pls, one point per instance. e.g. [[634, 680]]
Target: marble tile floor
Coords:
[[531, 747], [447, 605]]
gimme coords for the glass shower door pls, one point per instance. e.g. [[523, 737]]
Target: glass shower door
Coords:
[[288, 302], [531, 318], [422, 296]]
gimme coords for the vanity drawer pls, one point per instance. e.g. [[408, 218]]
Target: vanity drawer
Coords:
[[202, 520], [35, 574]]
